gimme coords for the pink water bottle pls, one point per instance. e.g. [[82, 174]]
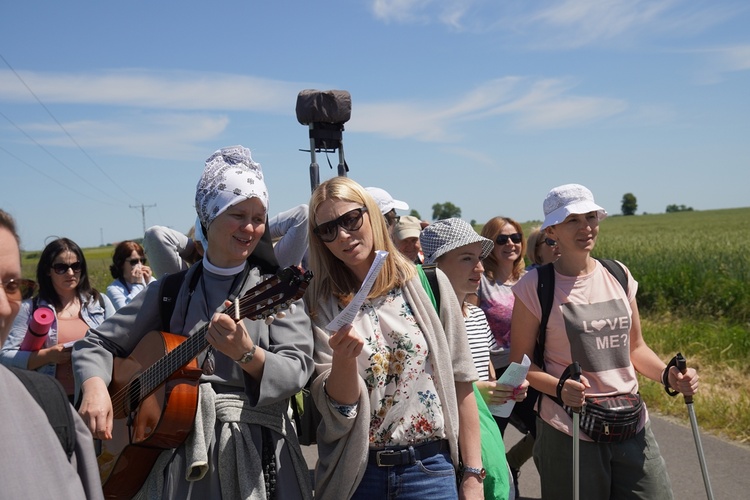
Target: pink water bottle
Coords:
[[39, 326]]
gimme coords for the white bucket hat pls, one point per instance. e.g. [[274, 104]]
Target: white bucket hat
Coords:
[[569, 199], [445, 235], [385, 201]]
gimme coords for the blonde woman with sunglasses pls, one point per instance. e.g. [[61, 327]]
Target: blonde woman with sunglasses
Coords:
[[394, 387], [65, 289]]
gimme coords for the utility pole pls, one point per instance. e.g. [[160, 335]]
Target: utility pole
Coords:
[[143, 214]]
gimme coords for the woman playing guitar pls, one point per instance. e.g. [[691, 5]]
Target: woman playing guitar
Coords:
[[241, 442]]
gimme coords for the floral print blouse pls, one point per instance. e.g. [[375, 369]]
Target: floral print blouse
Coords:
[[395, 364]]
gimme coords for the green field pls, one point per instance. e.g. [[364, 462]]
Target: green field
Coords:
[[693, 294]]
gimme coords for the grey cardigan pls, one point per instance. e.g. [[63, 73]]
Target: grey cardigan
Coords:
[[343, 442]]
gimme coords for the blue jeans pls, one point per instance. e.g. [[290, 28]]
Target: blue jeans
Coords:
[[433, 478]]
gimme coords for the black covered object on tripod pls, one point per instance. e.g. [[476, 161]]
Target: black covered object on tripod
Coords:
[[325, 112]]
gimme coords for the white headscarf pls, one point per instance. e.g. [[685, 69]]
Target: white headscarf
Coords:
[[230, 176]]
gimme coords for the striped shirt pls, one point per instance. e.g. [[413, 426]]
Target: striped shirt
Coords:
[[481, 340]]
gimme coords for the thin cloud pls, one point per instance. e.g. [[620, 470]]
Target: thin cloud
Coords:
[[180, 90], [403, 11], [171, 136], [547, 104], [555, 25], [721, 60], [199, 101]]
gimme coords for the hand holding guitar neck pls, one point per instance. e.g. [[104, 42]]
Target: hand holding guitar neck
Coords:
[[228, 333]]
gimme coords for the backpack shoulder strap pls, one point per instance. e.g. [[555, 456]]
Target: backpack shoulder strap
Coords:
[[545, 291], [168, 290], [616, 270], [430, 272], [51, 397]]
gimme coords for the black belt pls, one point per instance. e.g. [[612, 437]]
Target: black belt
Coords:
[[403, 455]]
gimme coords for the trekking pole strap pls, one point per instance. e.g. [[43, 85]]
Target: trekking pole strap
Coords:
[[573, 371], [665, 375]]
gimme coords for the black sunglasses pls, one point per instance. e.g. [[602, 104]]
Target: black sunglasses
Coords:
[[502, 239], [350, 221], [134, 262], [391, 218], [546, 241], [20, 289], [61, 268]]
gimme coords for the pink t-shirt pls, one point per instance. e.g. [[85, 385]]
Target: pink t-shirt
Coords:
[[590, 323]]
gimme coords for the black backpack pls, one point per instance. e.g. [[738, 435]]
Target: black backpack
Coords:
[[51, 397], [545, 291]]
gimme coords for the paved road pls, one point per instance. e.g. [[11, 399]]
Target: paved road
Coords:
[[728, 463]]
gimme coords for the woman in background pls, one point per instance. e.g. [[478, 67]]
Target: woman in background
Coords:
[[540, 249], [130, 272], [64, 287], [503, 267]]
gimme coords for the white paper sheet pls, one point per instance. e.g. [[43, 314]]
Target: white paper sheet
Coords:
[[513, 376], [346, 316]]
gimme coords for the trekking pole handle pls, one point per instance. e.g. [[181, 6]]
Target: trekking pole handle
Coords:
[[575, 374], [681, 364]]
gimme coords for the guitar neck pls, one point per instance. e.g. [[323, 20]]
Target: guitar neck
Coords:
[[266, 298]]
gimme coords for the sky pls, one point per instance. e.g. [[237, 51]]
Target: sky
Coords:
[[108, 111]]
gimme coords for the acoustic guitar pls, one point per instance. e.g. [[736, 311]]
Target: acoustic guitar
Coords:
[[154, 391]]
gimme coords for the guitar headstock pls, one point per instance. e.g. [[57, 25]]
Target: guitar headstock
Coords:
[[273, 295]]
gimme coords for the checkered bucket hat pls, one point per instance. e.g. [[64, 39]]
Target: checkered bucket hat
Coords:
[[444, 235]]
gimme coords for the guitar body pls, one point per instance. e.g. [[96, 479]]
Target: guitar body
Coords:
[[161, 420]]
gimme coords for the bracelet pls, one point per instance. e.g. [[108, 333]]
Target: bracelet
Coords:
[[665, 377]]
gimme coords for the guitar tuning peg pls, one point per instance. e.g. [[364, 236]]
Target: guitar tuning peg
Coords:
[[269, 319]]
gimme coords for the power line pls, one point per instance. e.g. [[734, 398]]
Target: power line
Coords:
[[58, 160], [86, 195], [64, 129]]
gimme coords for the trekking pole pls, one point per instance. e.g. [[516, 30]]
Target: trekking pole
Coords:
[[682, 366], [575, 374]]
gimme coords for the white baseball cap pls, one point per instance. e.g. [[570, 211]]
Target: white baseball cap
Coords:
[[385, 201]]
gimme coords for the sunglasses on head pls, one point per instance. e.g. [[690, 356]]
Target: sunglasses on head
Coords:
[[20, 289], [350, 221], [502, 239], [134, 262], [61, 268]]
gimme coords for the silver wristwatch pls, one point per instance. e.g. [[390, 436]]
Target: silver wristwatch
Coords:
[[480, 473], [248, 356]]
